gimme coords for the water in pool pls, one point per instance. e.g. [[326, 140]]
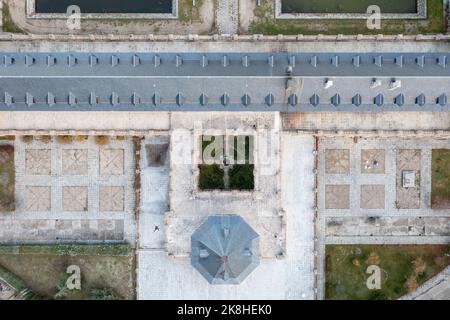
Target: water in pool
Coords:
[[105, 6], [347, 6]]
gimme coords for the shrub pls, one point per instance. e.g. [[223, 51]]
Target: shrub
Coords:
[[26, 139], [44, 138], [101, 140], [64, 139], [81, 138], [102, 294]]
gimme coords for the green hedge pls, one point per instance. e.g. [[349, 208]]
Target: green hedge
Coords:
[[121, 249]]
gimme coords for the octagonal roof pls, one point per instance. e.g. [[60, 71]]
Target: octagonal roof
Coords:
[[225, 249]]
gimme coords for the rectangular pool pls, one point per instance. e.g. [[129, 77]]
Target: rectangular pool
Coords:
[[105, 6], [347, 6]]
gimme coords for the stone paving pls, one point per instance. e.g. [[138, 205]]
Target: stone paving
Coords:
[[367, 204], [189, 206], [291, 276], [72, 192], [227, 16], [408, 198]]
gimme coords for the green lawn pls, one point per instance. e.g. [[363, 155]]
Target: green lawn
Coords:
[[265, 23], [8, 23], [105, 269], [403, 269], [227, 175], [440, 179], [7, 178]]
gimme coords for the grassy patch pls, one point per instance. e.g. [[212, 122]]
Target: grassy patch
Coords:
[[241, 177], [211, 177], [106, 268], [266, 23], [232, 170], [7, 178], [403, 269], [8, 23], [68, 249], [440, 179]]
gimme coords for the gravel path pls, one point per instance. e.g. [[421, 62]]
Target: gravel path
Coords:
[[227, 16]]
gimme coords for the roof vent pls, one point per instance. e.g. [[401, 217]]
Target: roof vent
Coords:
[[180, 99], [114, 60], [29, 60], [378, 61], [420, 100], [225, 61], [225, 99], [292, 61], [328, 84], [114, 99], [72, 99], [93, 60], [156, 99], [336, 100], [71, 60], [314, 100], [379, 100], [203, 253], [50, 99], [8, 60], [246, 100], [356, 61], [395, 84], [270, 99], [9, 100], [293, 100], [178, 61], [399, 61], [203, 99], [399, 100], [204, 61], [93, 99], [335, 61], [442, 100], [156, 61], [226, 232], [136, 60], [29, 99], [375, 83], [271, 61], [420, 61], [442, 61], [247, 252], [314, 60], [245, 61], [51, 60], [135, 99], [357, 100]]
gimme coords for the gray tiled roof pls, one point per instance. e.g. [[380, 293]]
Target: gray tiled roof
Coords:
[[225, 249], [218, 81]]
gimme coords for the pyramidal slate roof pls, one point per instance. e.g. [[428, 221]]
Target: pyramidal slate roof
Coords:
[[273, 81], [225, 249]]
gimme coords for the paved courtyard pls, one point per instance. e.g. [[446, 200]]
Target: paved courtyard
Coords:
[[291, 273], [364, 197], [71, 191]]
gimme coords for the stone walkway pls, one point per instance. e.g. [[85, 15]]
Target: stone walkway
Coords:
[[76, 191], [227, 16]]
